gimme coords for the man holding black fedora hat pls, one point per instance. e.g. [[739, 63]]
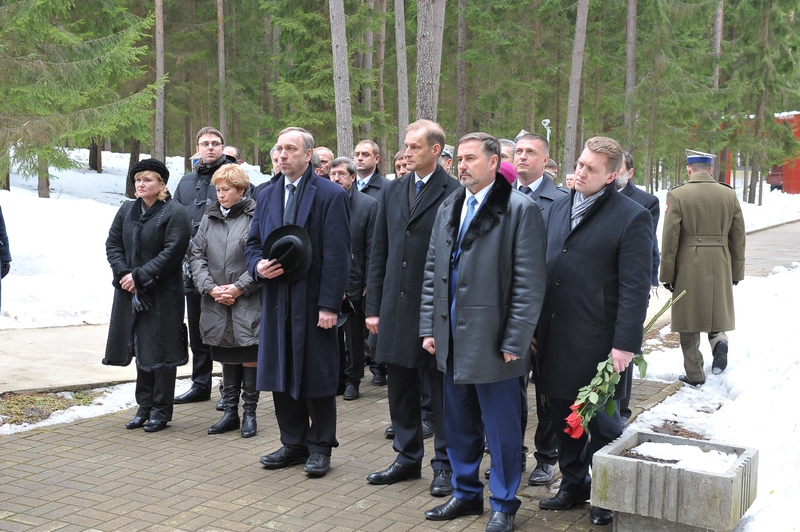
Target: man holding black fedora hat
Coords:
[[304, 282]]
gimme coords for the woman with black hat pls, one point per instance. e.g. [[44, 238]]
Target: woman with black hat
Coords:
[[230, 315], [145, 248]]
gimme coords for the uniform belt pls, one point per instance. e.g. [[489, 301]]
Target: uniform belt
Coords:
[[707, 240]]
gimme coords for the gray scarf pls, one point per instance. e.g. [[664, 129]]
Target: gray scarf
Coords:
[[580, 205]]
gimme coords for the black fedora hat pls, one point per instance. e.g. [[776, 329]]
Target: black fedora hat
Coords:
[[290, 245], [347, 311]]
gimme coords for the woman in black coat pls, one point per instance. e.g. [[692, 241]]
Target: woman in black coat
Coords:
[[145, 247]]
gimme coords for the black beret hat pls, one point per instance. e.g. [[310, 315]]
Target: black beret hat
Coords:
[[154, 165]]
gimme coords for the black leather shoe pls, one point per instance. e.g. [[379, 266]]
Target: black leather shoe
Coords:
[[379, 379], [395, 473], [389, 432], [136, 423], [720, 357], [193, 395], [600, 516], [684, 379], [500, 522], [229, 421], [351, 391], [454, 508], [542, 474], [442, 484], [318, 464], [564, 500], [286, 456], [428, 429], [155, 426]]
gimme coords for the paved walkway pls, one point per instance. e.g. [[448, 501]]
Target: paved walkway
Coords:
[[96, 475]]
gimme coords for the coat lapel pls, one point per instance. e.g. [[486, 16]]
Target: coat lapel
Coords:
[[436, 185], [275, 203], [306, 200]]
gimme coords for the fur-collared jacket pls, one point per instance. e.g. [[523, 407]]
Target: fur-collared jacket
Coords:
[[500, 285]]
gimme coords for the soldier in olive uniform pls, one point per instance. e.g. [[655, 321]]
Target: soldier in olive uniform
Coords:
[[702, 252]]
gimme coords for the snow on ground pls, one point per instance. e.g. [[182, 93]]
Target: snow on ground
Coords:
[[687, 456], [60, 277]]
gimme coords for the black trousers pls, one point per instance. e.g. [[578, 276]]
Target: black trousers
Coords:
[[154, 393], [201, 353], [405, 409], [308, 422], [354, 342], [575, 455], [545, 440]]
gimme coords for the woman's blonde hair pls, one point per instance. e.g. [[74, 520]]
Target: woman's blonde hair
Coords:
[[234, 175], [161, 195]]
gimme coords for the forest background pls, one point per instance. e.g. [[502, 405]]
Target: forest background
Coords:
[[143, 77]]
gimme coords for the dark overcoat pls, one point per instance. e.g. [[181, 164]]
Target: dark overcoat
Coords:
[[397, 265], [703, 253], [545, 195], [156, 337], [649, 202], [363, 211], [375, 187], [598, 278], [500, 287], [311, 369], [5, 251]]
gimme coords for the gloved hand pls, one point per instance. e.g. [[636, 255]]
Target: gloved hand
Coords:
[[669, 286], [734, 283], [4, 269], [140, 302]]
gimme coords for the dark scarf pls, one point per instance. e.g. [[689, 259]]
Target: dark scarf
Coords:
[[140, 214], [208, 169], [216, 210]]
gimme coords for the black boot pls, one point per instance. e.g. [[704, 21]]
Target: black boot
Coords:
[[231, 386], [250, 402]]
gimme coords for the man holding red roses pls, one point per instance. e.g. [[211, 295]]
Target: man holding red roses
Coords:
[[598, 276]]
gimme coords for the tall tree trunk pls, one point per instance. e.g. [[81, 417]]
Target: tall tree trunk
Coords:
[[745, 174], [5, 171], [430, 31], [651, 128], [718, 21], [575, 84], [159, 147], [461, 83], [94, 151], [380, 101], [755, 177], [630, 73], [44, 177], [223, 122], [341, 81], [402, 73], [136, 147], [366, 64]]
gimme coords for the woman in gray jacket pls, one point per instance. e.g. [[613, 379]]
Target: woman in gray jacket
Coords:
[[230, 317]]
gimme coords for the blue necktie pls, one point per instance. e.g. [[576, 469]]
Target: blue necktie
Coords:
[[420, 183], [525, 190], [361, 184], [289, 209], [455, 260]]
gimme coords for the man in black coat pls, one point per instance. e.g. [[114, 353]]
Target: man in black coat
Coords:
[[370, 181], [649, 202], [298, 352], [5, 251], [531, 154], [196, 193], [598, 278], [394, 291], [363, 211]]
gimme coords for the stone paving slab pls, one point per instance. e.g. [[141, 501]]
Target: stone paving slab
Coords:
[[96, 475]]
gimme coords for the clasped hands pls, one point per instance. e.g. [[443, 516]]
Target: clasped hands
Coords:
[[225, 294]]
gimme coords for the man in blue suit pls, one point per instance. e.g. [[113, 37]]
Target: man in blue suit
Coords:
[[298, 351]]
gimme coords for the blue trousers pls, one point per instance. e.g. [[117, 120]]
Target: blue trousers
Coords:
[[471, 409]]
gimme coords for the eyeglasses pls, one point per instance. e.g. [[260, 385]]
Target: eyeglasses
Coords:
[[214, 144]]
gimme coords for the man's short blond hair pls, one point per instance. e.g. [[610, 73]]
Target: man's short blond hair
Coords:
[[610, 148], [308, 139], [434, 134]]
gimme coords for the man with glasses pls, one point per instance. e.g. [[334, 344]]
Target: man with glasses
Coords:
[[196, 193]]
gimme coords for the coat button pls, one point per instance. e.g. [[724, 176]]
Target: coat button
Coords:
[[700, 240], [405, 264], [558, 282], [554, 315], [408, 233], [719, 240], [443, 316], [564, 249], [444, 279], [402, 294]]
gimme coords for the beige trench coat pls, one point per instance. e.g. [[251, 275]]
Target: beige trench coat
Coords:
[[702, 252]]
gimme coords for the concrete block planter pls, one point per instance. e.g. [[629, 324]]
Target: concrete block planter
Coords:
[[652, 496]]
